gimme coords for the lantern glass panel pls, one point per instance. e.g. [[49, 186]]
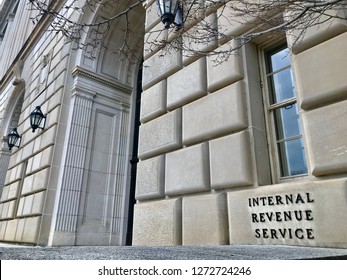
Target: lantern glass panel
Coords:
[[12, 138], [36, 118], [167, 9], [167, 6]]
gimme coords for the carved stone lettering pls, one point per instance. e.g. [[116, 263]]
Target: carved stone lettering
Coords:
[[286, 216]]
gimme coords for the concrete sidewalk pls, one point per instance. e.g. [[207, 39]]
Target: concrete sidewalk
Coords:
[[248, 252]]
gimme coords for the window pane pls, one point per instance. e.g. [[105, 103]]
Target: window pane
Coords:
[[282, 86], [287, 122], [284, 113], [279, 60], [292, 158]]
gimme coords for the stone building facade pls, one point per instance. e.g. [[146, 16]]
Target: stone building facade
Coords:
[[252, 150]]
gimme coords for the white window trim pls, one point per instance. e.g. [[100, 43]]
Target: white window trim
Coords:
[[270, 120]]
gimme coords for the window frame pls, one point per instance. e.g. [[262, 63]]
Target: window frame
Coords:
[[269, 112]]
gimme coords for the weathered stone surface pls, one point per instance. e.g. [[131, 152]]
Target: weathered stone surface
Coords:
[[158, 223], [40, 160], [3, 225], [225, 72], [154, 38], [31, 229], [14, 174], [300, 214], [31, 204], [10, 231], [187, 170], [230, 23], [160, 66], [35, 182], [230, 161], [8, 209], [186, 85], [20, 230], [318, 33], [152, 17], [150, 178], [262, 160], [24, 205], [215, 115], [153, 102], [322, 80], [326, 136], [161, 135], [205, 220], [47, 139], [197, 40], [10, 191], [196, 12]]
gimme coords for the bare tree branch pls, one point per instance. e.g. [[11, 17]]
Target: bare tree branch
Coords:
[[207, 23]]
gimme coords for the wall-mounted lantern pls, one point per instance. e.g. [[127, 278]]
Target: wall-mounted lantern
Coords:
[[171, 12], [13, 139], [37, 119]]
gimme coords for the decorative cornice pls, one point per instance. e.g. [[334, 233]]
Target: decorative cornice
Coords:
[[80, 71]]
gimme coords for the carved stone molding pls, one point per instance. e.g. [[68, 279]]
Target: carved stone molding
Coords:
[[79, 71], [83, 92]]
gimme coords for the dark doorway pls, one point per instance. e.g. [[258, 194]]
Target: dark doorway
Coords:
[[134, 160]]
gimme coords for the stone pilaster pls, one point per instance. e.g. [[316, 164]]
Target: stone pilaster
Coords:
[[121, 173], [74, 165]]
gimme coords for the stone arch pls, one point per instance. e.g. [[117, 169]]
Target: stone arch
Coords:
[[101, 59], [95, 178]]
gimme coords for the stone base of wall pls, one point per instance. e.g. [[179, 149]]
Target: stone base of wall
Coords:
[[298, 214], [305, 214]]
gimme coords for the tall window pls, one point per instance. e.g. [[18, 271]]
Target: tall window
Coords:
[[283, 115]]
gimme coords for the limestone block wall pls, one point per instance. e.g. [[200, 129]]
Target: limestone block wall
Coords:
[[322, 90], [204, 173], [30, 184], [192, 110]]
